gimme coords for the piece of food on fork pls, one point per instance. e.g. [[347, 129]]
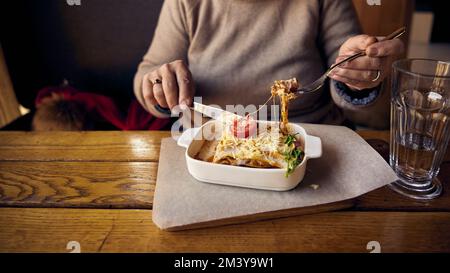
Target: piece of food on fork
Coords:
[[285, 90]]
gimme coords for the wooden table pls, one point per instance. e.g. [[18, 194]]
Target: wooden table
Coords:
[[96, 188]]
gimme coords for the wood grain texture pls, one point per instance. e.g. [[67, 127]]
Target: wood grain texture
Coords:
[[77, 184], [346, 204], [386, 199], [118, 170], [81, 146], [104, 156], [9, 107], [131, 185], [379, 135], [381, 20], [49, 230]]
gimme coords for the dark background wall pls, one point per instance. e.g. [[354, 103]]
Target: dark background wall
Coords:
[[441, 29], [95, 46]]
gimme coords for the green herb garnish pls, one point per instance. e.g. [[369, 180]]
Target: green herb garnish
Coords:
[[290, 139], [293, 155]]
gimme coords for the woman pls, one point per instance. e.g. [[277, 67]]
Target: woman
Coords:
[[230, 52]]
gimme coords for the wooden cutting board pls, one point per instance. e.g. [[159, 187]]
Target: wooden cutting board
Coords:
[[348, 168]]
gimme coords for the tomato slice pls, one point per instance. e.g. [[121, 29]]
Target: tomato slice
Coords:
[[244, 127]]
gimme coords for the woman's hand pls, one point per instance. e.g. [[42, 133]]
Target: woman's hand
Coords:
[[370, 70], [168, 86]]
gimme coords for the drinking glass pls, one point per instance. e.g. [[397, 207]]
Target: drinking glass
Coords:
[[419, 125]]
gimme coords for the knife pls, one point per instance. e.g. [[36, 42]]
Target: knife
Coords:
[[209, 111]]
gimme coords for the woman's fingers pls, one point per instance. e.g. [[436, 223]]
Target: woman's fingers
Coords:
[[354, 84], [157, 90], [358, 75], [386, 48], [361, 63], [357, 44], [169, 86], [363, 72], [185, 82], [357, 79], [147, 92]]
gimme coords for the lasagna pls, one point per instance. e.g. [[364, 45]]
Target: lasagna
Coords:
[[244, 142]]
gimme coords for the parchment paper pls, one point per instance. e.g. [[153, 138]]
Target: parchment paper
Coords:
[[348, 168]]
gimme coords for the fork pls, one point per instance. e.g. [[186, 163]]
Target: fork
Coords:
[[321, 81]]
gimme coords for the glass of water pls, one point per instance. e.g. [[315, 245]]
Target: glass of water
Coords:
[[420, 115]]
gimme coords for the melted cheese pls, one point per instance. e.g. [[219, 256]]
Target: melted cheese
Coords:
[[262, 151], [285, 91]]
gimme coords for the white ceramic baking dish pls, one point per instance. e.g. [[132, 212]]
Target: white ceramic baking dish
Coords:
[[265, 179]]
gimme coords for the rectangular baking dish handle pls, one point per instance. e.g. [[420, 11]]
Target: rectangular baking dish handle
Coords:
[[313, 147], [186, 138]]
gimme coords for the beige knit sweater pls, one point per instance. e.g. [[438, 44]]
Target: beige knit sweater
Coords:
[[235, 49]]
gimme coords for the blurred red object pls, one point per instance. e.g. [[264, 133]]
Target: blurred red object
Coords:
[[136, 118]]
